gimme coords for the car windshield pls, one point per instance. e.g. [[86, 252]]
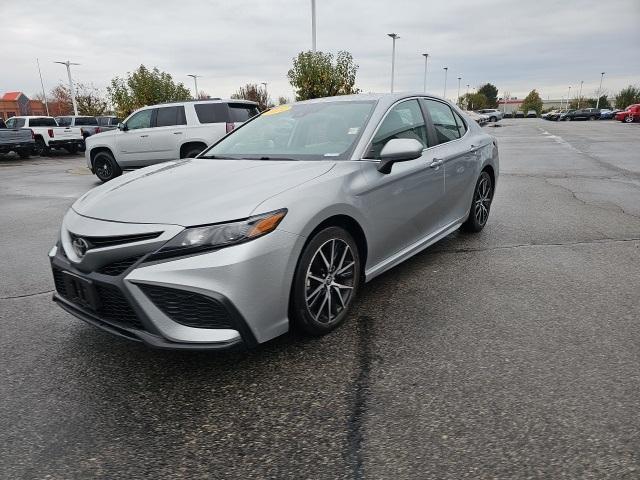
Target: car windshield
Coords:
[[303, 131]]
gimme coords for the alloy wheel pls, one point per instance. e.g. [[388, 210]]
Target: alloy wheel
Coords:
[[330, 280], [103, 169], [482, 200], [628, 119]]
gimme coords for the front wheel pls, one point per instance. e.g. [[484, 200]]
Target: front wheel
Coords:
[[105, 166], [481, 204], [325, 282], [628, 119], [493, 119]]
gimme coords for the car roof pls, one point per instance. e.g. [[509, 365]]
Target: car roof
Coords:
[[385, 99], [204, 100]]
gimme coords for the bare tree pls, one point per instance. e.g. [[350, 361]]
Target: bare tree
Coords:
[[253, 92]]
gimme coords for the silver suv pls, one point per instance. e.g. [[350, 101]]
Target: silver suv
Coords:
[[164, 132], [493, 113]]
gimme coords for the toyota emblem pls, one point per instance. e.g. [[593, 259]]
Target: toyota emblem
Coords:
[[80, 246]]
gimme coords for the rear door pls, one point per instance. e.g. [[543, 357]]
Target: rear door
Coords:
[[459, 158], [167, 133]]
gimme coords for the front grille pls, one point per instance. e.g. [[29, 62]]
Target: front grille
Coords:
[[116, 268], [189, 308], [114, 307], [101, 242]]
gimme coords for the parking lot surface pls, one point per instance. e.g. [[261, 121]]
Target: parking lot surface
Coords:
[[509, 354]]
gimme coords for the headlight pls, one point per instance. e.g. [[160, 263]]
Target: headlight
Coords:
[[211, 237]]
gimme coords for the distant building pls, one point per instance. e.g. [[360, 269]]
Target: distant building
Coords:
[[513, 104], [17, 103]]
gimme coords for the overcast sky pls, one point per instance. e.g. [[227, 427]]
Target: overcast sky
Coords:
[[516, 45]]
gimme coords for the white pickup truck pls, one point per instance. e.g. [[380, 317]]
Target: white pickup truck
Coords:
[[158, 133], [47, 134]]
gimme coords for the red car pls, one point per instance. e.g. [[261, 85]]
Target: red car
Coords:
[[630, 114]]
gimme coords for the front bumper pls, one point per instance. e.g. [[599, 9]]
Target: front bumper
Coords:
[[240, 293]]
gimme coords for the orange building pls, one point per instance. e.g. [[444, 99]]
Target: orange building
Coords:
[[17, 103]]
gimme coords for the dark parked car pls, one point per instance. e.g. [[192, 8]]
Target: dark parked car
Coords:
[[19, 140], [518, 114], [564, 115], [584, 114], [108, 122]]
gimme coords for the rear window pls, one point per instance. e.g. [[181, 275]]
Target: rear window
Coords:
[[108, 121], [240, 112], [84, 121], [62, 121], [42, 122], [212, 112], [169, 116]]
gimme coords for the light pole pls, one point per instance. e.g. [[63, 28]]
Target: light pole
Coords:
[[73, 91], [444, 95], [195, 81], [568, 96], [458, 101], [44, 95], [394, 36], [599, 90], [426, 57], [313, 25], [580, 94]]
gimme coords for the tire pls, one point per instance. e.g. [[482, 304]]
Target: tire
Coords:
[[41, 148], [628, 119], [592, 118], [480, 205], [493, 119], [73, 149], [105, 166], [23, 153], [318, 305], [192, 152]]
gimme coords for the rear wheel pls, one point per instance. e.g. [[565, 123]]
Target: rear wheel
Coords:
[[73, 149], [105, 166], [23, 152], [326, 281], [481, 204], [41, 147], [192, 152]]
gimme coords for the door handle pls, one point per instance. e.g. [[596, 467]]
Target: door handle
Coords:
[[143, 136], [177, 133], [436, 163]]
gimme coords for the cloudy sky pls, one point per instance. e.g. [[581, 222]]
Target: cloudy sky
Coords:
[[517, 45]]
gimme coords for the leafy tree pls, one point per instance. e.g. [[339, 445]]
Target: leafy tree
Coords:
[[283, 100], [474, 101], [88, 99], [532, 102], [144, 87], [627, 96], [316, 75], [490, 91], [253, 92]]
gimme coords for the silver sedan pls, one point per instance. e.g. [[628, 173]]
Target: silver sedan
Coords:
[[278, 224]]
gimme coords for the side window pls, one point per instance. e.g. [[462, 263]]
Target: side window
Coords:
[[462, 128], [443, 121], [11, 123], [404, 120], [241, 112], [212, 112], [169, 116], [19, 122], [140, 120]]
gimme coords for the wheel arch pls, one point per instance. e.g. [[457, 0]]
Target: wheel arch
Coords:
[[189, 144]]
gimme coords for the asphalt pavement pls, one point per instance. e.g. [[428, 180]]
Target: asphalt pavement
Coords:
[[509, 354]]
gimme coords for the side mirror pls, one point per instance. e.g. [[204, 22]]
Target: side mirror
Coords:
[[123, 127], [399, 150]]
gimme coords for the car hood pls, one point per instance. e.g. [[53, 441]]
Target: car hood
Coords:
[[195, 191]]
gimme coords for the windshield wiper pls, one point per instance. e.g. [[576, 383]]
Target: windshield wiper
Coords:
[[219, 157], [283, 159]]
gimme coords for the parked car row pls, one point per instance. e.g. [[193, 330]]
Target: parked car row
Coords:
[[628, 115]]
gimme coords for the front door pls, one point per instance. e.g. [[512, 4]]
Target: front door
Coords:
[[133, 144]]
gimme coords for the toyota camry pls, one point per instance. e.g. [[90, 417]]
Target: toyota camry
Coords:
[[277, 225]]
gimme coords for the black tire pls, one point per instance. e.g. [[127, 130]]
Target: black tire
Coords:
[[73, 149], [41, 148], [493, 119], [105, 166], [192, 152], [23, 153], [313, 302], [480, 205]]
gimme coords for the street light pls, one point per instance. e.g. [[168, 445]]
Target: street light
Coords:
[[444, 95], [600, 90], [266, 100], [195, 80], [568, 96], [394, 36], [44, 95], [458, 101], [73, 91], [426, 57], [580, 94], [313, 25]]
